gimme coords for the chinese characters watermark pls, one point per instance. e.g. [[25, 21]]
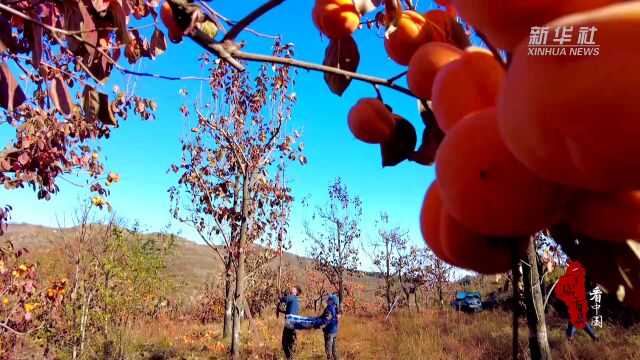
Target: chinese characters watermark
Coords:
[[596, 296], [562, 41]]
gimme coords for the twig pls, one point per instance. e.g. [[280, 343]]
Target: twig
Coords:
[[378, 93], [255, 14], [394, 78], [493, 50], [549, 294], [218, 17]]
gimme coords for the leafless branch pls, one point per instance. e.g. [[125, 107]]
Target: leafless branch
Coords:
[[255, 14], [320, 68]]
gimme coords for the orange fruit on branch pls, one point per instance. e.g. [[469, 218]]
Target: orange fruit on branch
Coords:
[[446, 28], [336, 18], [475, 251], [485, 188], [175, 31], [465, 85], [573, 119], [370, 121], [411, 31], [425, 64], [430, 222]]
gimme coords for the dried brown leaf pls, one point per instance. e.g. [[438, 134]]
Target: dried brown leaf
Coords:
[[60, 95], [342, 54]]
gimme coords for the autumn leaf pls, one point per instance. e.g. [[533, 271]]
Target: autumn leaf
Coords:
[[90, 103], [6, 40], [158, 43], [432, 136], [33, 34], [11, 95], [401, 144], [60, 95], [342, 54], [120, 21], [105, 114]]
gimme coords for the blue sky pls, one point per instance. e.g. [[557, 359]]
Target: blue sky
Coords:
[[141, 152]]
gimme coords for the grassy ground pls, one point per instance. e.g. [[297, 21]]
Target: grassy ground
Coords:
[[431, 335]]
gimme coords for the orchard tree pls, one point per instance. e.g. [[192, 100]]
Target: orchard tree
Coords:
[[334, 247], [230, 188], [437, 274], [388, 255]]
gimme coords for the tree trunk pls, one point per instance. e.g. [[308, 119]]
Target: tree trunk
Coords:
[[415, 299], [538, 341], [238, 312], [240, 271], [387, 278], [340, 294], [228, 293]]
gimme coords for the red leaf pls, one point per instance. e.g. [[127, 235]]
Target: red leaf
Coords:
[[342, 54], [33, 34], [23, 159], [6, 40], [120, 22], [105, 114], [158, 43], [401, 144], [60, 95], [11, 95], [432, 136]]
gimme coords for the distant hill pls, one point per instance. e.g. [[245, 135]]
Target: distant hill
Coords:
[[192, 265]]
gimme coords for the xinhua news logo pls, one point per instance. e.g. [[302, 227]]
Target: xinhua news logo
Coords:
[[563, 41]]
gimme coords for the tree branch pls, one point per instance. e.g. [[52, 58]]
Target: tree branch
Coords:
[[255, 14], [320, 68]]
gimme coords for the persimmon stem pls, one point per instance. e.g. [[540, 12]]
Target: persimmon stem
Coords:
[[493, 49], [378, 93], [255, 14], [394, 78]]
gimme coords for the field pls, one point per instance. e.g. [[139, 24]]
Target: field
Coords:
[[432, 334]]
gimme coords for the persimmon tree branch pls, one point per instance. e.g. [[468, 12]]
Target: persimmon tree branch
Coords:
[[255, 14], [320, 68]]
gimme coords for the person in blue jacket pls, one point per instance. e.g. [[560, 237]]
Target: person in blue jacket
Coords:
[[289, 305], [328, 321]]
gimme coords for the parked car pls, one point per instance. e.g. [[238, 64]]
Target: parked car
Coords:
[[467, 301]]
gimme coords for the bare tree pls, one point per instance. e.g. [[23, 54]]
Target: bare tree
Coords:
[[438, 275], [390, 249], [334, 249]]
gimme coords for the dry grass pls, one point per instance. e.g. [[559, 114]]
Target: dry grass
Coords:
[[433, 334]]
